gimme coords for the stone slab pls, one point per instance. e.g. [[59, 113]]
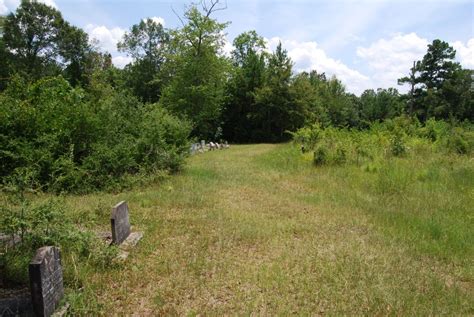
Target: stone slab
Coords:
[[129, 244], [132, 240], [120, 223], [16, 303], [46, 280]]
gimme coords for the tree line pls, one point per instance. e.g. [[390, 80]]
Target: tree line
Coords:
[[180, 85]]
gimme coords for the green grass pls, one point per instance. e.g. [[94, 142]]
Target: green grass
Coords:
[[257, 229]]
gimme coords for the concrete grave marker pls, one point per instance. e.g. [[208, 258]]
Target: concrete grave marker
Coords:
[[121, 230], [15, 302], [120, 223], [46, 280]]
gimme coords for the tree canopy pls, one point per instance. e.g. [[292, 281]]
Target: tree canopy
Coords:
[[250, 94]]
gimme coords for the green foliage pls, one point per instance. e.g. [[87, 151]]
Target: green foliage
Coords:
[[241, 110], [379, 105], [308, 136], [147, 42], [460, 141], [32, 222], [320, 155], [33, 226], [73, 144], [275, 115], [441, 88], [4, 65], [43, 43], [399, 137], [397, 144], [197, 71]]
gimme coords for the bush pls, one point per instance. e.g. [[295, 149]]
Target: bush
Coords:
[[460, 141], [308, 136], [74, 142], [33, 225], [397, 143], [340, 157], [320, 156], [398, 137]]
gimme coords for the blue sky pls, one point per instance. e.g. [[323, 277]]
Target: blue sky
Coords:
[[366, 44]]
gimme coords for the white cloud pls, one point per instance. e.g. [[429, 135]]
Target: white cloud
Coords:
[[465, 53], [392, 59], [121, 61], [3, 8], [309, 56], [11, 5], [51, 3], [159, 20], [8, 5], [227, 48], [107, 38]]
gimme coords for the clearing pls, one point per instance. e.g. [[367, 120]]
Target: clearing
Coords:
[[256, 229]]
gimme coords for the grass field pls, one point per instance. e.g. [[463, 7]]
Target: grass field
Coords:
[[257, 229]]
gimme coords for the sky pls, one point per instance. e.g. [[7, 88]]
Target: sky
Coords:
[[367, 44]]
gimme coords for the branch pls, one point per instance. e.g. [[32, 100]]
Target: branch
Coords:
[[184, 25], [212, 8]]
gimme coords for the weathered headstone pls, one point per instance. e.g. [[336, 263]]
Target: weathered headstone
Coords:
[[9, 241], [16, 302], [194, 148], [120, 222], [46, 280]]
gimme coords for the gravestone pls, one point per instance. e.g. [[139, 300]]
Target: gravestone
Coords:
[[194, 148], [46, 281], [120, 223], [15, 302]]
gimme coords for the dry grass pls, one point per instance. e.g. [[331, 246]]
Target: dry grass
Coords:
[[258, 230]]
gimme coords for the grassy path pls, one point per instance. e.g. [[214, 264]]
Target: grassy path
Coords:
[[250, 230]]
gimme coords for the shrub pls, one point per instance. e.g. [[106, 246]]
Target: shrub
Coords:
[[308, 136], [397, 143], [434, 130], [74, 142], [320, 156], [394, 137], [33, 225], [340, 157], [459, 141]]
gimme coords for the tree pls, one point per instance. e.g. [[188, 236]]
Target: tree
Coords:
[[146, 43], [248, 75], [437, 65], [412, 80], [2, 24], [74, 49], [4, 57], [305, 88], [197, 71], [276, 113], [42, 43], [438, 79], [379, 105]]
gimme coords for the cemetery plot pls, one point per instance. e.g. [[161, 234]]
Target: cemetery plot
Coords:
[[46, 280]]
